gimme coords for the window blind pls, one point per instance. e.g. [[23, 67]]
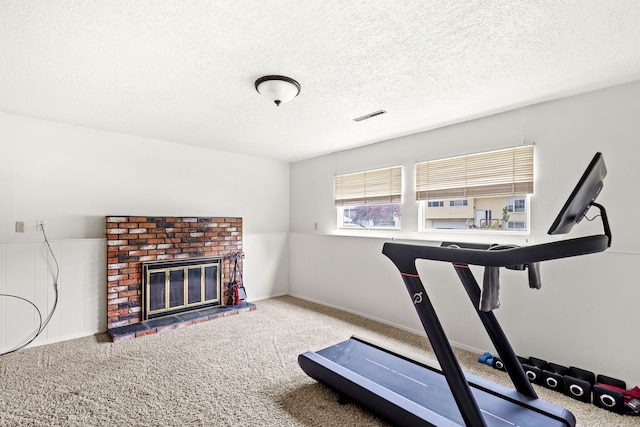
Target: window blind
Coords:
[[369, 187], [496, 173]]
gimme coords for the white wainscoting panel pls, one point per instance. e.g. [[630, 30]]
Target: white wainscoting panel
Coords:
[[28, 270]]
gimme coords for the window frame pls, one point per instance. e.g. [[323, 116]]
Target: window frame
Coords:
[[516, 228], [453, 203], [511, 204], [380, 187], [506, 175]]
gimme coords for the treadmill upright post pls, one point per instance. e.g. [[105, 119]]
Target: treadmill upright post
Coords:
[[448, 362], [496, 334]]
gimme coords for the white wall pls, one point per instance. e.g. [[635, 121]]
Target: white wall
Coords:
[[585, 313], [72, 177], [27, 270]]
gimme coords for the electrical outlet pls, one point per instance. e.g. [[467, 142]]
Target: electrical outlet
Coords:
[[41, 224], [19, 226]]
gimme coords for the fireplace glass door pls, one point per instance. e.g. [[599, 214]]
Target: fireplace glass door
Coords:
[[177, 286]]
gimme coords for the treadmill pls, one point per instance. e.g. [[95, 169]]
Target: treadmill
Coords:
[[410, 393]]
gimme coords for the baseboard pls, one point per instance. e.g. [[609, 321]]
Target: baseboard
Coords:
[[386, 322]]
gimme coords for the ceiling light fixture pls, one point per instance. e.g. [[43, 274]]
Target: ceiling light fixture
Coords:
[[279, 89]]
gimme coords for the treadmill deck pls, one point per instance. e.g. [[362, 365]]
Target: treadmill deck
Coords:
[[412, 387]]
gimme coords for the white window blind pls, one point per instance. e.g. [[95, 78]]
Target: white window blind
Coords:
[[369, 187], [496, 173]]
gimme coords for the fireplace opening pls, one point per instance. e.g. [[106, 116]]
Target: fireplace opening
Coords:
[[177, 286]]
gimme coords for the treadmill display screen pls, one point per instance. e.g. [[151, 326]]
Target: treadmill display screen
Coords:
[[582, 196]]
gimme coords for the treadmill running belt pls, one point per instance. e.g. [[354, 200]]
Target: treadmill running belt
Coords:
[[428, 388]]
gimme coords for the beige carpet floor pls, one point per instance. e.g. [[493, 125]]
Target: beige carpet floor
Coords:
[[235, 371]]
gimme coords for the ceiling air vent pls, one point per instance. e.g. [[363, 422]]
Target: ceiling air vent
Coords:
[[368, 116]]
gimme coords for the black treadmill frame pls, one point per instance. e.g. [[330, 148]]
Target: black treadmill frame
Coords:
[[404, 257]]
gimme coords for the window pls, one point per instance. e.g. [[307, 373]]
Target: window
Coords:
[[435, 203], [486, 191], [459, 202], [374, 216], [369, 199], [516, 205], [447, 224]]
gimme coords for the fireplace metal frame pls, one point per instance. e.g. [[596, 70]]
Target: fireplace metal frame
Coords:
[[184, 264]]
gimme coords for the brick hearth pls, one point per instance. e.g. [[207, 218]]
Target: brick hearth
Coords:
[[176, 321], [132, 240]]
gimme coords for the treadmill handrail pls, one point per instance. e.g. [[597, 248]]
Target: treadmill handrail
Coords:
[[404, 255]]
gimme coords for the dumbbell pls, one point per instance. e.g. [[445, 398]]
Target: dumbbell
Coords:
[[497, 363], [485, 358], [578, 384], [492, 360], [533, 369], [609, 399]]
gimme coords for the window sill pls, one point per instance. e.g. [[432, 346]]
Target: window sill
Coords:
[[520, 238]]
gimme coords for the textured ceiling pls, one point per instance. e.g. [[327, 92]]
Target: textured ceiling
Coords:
[[183, 71]]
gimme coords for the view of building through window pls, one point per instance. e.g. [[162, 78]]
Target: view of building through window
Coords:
[[370, 216], [481, 213]]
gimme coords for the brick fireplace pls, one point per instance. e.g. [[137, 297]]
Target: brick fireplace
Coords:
[[134, 240]]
